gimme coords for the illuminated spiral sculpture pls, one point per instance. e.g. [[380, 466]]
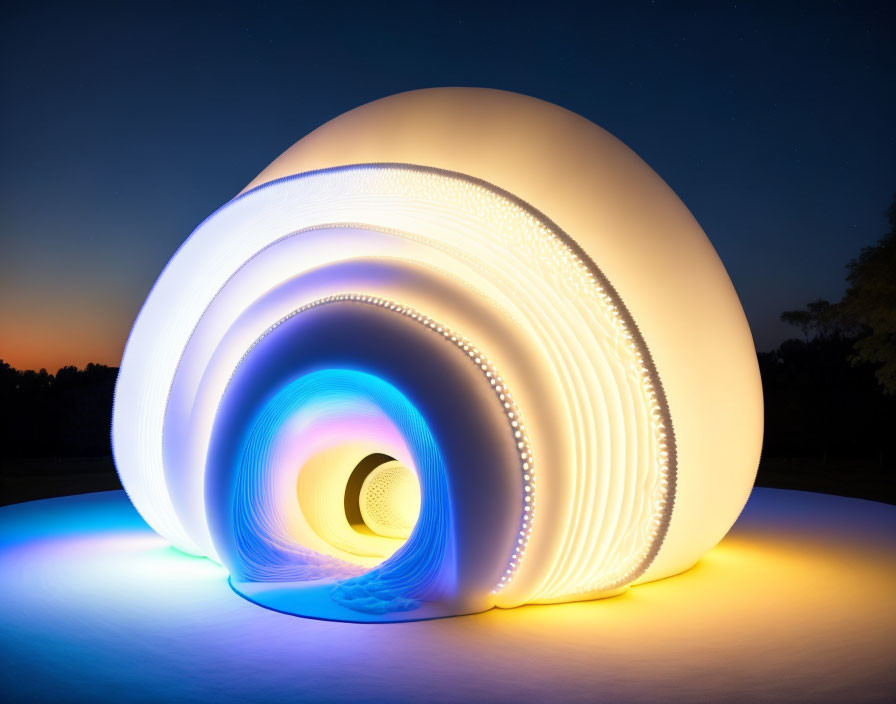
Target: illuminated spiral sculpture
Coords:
[[455, 349]]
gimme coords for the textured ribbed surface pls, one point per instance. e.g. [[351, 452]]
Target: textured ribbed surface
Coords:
[[581, 374]]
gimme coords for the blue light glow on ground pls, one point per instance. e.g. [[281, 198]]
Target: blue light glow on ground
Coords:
[[795, 604]]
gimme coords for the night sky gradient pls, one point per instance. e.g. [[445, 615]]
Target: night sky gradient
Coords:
[[123, 127]]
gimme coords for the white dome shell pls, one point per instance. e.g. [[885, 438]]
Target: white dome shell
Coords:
[[487, 288], [640, 235]]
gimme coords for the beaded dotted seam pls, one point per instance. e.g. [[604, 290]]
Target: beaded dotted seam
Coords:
[[499, 388]]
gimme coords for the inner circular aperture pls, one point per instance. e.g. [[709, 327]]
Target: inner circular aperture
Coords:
[[359, 511], [389, 500], [353, 488], [326, 474]]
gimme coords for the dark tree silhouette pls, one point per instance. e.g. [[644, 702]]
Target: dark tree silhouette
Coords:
[[818, 318], [867, 313], [66, 415], [819, 405], [870, 303], [830, 398]]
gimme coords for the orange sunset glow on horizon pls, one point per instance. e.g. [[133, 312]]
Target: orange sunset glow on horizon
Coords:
[[57, 337]]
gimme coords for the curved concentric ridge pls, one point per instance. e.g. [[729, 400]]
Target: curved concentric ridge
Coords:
[[333, 320]]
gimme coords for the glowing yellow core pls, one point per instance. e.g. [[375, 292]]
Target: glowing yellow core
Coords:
[[390, 500]]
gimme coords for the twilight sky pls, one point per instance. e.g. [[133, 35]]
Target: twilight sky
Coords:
[[123, 127]]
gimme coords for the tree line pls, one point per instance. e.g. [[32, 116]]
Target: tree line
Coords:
[[67, 414], [833, 392]]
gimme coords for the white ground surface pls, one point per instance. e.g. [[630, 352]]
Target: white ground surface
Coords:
[[796, 604]]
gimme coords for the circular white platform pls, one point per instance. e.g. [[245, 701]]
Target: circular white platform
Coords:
[[796, 604]]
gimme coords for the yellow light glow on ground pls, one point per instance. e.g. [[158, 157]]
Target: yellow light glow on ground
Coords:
[[795, 604]]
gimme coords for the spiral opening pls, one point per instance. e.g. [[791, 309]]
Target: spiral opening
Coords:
[[382, 497], [331, 488], [283, 418], [352, 500]]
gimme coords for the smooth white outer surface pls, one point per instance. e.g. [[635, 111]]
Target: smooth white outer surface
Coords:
[[639, 234]]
